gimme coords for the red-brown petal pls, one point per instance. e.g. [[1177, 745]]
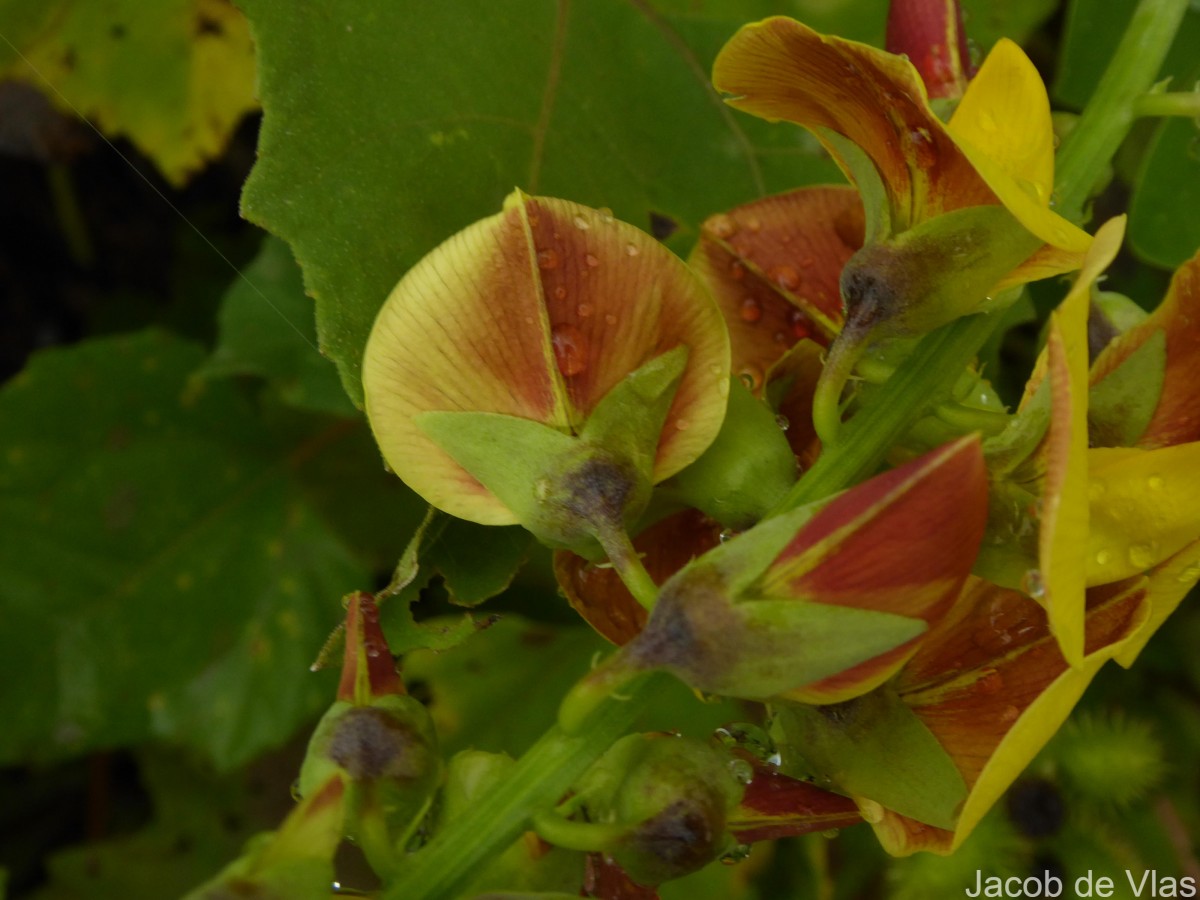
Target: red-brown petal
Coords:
[[773, 266], [776, 806], [930, 33]]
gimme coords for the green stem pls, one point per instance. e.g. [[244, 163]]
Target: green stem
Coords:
[[446, 865], [628, 564], [1106, 120], [1182, 104]]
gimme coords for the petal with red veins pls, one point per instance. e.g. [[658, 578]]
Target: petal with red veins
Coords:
[[773, 266]]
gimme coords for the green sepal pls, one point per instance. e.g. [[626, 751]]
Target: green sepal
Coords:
[[566, 490], [1005, 452], [872, 747], [755, 649], [746, 471], [1121, 405]]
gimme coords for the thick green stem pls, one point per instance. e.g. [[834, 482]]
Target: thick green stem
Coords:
[[1110, 113], [446, 865]]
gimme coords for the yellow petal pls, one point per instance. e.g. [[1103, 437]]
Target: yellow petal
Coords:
[[1145, 507], [1064, 517], [1166, 587]]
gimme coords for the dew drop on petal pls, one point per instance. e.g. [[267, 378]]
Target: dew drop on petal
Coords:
[[754, 224], [1155, 482], [786, 277], [610, 319], [682, 424], [570, 349], [1033, 585], [606, 214], [547, 258], [1189, 574], [631, 250], [592, 260], [737, 271], [801, 326], [750, 310], [560, 293], [782, 422], [1143, 555], [751, 376], [1103, 557], [584, 310], [581, 223], [741, 770], [721, 226]]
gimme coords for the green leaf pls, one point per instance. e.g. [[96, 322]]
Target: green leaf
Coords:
[[174, 76], [378, 141], [200, 823], [267, 330], [1163, 226], [161, 569]]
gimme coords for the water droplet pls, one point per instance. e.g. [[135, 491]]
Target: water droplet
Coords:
[[1033, 585], [1102, 557], [786, 277], [726, 535], [1096, 490], [372, 651], [610, 318], [682, 424], [721, 226], [581, 223], [871, 810], [801, 326], [547, 259], [830, 833], [754, 224], [1155, 482], [750, 310], [606, 214], [751, 376], [737, 271], [591, 260], [1010, 714], [584, 310], [1189, 574], [560, 293], [631, 250], [990, 681], [1143, 555], [741, 770], [570, 349], [782, 422]]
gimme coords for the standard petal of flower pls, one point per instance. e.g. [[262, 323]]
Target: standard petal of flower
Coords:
[[992, 685], [615, 300], [1145, 507], [773, 266], [901, 543], [1003, 126], [1059, 583], [1176, 418], [780, 69], [466, 329]]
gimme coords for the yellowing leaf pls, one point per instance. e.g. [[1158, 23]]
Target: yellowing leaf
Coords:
[[174, 76]]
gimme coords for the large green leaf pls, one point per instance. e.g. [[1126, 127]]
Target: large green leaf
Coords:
[[267, 330], [163, 569], [174, 76], [390, 126]]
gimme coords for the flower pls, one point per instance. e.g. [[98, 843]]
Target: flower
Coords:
[[515, 332], [931, 35], [954, 214], [819, 604]]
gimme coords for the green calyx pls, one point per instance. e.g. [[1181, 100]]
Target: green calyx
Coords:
[[872, 748], [570, 491]]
